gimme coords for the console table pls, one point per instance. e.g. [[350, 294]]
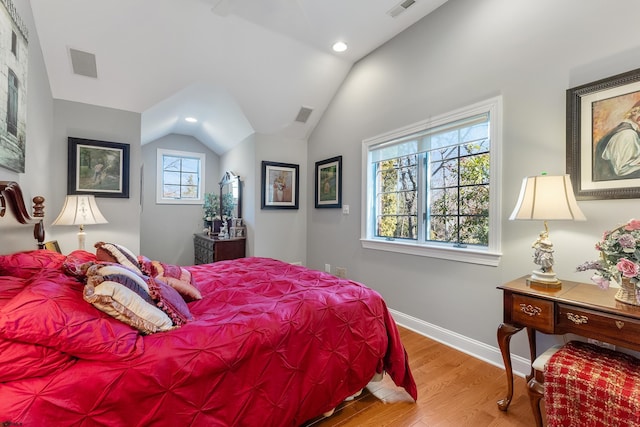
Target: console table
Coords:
[[579, 308], [208, 249]]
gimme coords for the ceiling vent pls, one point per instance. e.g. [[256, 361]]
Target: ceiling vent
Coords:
[[83, 63], [397, 10], [303, 114]]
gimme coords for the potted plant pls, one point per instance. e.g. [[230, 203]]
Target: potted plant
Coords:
[[211, 209]]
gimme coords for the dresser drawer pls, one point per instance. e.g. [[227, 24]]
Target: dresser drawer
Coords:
[[604, 326], [532, 312]]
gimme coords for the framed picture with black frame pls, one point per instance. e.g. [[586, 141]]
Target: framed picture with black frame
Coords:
[[328, 183], [602, 140], [100, 168], [280, 185]]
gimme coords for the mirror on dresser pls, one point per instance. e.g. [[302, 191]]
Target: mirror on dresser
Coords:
[[230, 196], [224, 241]]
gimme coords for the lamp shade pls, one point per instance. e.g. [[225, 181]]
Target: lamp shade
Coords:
[[80, 210], [547, 197]]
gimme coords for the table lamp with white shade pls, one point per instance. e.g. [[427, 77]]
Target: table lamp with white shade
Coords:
[[546, 198], [80, 210]]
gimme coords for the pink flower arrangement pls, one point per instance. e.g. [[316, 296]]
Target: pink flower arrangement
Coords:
[[619, 256]]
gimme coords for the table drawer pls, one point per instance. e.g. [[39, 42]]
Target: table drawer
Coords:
[[532, 312], [582, 321]]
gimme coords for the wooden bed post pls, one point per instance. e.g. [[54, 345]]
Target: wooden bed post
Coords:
[[11, 194]]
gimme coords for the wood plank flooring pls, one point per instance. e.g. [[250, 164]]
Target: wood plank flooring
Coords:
[[454, 390]]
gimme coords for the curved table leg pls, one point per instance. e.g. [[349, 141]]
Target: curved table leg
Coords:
[[505, 331], [531, 334]]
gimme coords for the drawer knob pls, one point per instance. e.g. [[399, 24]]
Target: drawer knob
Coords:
[[619, 324], [530, 310], [577, 318]]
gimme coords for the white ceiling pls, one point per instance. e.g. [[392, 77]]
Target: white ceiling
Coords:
[[239, 66]]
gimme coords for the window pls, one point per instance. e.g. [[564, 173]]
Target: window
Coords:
[[14, 44], [12, 103], [432, 188], [180, 177]]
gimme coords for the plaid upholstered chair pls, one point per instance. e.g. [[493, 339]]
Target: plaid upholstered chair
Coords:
[[535, 386], [584, 384]]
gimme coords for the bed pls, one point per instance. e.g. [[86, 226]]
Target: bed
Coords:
[[266, 344]]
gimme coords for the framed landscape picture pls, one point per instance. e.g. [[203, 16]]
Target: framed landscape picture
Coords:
[[279, 185], [603, 142], [98, 167], [328, 183]]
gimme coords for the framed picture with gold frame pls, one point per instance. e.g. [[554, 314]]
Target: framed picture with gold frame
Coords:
[[602, 138], [52, 246]]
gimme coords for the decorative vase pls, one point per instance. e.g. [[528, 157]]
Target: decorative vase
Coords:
[[627, 292]]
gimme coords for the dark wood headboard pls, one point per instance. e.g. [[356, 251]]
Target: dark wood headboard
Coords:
[[11, 194]]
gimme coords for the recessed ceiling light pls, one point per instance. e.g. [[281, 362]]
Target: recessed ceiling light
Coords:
[[339, 46], [191, 119]]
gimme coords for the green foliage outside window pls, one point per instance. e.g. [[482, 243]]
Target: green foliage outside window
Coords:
[[457, 206]]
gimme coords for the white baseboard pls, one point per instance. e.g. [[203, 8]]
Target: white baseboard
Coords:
[[490, 354]]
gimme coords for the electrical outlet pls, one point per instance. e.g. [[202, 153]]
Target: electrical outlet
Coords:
[[341, 272], [327, 268]]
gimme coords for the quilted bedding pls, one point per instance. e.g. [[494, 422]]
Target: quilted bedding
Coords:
[[270, 344]]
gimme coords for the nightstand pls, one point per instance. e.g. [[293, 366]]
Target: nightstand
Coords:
[[211, 249]]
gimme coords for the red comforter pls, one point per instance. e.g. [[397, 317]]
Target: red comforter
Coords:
[[271, 344]]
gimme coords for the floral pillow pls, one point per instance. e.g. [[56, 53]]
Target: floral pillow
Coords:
[[29, 263], [77, 262], [51, 312]]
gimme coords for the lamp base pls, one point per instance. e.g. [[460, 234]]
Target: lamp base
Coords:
[[543, 279]]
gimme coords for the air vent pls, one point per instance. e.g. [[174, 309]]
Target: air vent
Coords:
[[303, 114], [83, 63], [397, 10]]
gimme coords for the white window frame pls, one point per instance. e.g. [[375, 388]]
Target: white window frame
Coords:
[[489, 255], [161, 152]]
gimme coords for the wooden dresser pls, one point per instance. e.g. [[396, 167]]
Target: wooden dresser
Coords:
[[211, 249], [579, 308]]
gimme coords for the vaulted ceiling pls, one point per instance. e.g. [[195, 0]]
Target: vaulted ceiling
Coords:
[[238, 66]]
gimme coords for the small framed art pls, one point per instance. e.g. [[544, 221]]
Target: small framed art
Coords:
[[280, 185], [98, 167], [328, 183]]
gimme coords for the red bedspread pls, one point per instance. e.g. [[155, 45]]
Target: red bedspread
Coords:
[[271, 344]]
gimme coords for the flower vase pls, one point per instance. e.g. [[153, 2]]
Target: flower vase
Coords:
[[627, 292]]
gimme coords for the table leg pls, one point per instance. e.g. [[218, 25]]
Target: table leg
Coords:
[[505, 331], [531, 334]]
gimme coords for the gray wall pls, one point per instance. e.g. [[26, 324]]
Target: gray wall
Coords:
[[49, 123], [241, 161], [166, 230], [37, 179], [528, 51], [281, 233], [274, 233], [103, 124]]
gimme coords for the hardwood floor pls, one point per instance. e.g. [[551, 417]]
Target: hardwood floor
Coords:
[[454, 390]]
